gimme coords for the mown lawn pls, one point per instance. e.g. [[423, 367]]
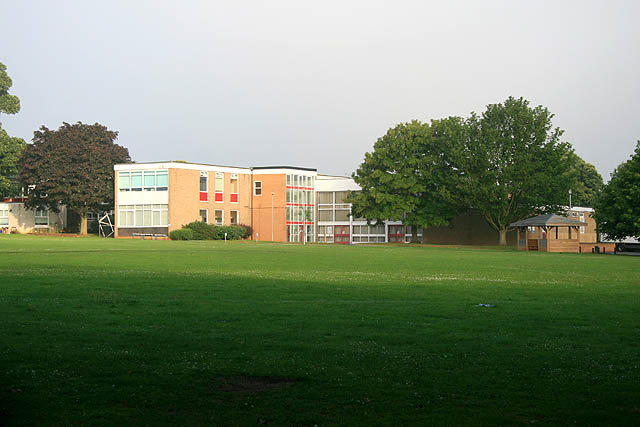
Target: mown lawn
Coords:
[[104, 332]]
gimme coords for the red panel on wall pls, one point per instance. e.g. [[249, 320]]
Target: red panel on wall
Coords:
[[234, 198], [219, 197], [203, 196]]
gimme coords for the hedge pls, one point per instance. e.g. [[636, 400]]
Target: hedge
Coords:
[[181, 234], [199, 230]]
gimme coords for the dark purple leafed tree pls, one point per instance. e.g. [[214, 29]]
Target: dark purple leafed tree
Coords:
[[72, 166]]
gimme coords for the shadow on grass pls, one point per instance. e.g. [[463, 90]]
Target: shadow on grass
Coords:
[[98, 347]]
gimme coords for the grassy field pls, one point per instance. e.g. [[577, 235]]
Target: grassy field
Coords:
[[103, 332]]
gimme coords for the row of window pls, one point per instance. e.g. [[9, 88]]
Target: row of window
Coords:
[[532, 228], [218, 187], [378, 230], [41, 217], [299, 196], [300, 213], [333, 198], [298, 233], [156, 180], [4, 216], [143, 215], [364, 234], [219, 216], [300, 181], [332, 206]]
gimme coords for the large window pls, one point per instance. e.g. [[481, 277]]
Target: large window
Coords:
[[155, 180], [233, 217], [143, 215], [233, 197], [369, 233], [204, 215], [332, 206], [300, 201], [4, 217], [219, 217], [219, 187], [204, 186], [325, 234], [42, 217]]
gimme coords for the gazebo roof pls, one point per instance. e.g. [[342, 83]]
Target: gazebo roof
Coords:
[[552, 220]]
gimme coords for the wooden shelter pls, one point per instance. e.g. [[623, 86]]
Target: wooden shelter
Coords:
[[549, 233]]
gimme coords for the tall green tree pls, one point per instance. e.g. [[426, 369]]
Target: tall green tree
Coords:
[[72, 166], [586, 182], [617, 208], [10, 147], [411, 175], [515, 164], [10, 151], [9, 104]]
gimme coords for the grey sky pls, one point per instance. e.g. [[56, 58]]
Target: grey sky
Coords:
[[314, 84]]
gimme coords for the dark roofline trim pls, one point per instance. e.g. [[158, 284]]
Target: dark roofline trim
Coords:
[[182, 162], [285, 167], [222, 166]]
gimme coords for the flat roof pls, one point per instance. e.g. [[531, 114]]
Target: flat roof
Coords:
[[182, 162], [324, 175], [285, 167]]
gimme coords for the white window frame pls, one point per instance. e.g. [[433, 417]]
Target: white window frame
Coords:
[[206, 213], [36, 216], [203, 174], [215, 187], [237, 217], [142, 173], [3, 217], [147, 207], [215, 219], [256, 188], [237, 193]]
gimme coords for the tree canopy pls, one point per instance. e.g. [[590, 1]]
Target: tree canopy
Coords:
[[73, 166], [10, 147], [516, 165], [507, 164], [9, 104], [409, 175], [617, 208], [586, 182], [10, 151]]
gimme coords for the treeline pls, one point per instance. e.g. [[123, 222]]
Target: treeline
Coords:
[[507, 163], [70, 166]]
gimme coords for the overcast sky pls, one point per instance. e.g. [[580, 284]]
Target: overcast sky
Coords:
[[314, 84]]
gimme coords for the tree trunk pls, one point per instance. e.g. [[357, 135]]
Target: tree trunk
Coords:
[[414, 234], [83, 224], [503, 236]]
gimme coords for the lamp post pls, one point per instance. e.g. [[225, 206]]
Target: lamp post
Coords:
[[570, 200], [272, 216]]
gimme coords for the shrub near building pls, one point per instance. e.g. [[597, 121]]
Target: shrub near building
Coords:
[[202, 231]]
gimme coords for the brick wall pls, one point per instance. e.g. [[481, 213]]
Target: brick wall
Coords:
[[469, 228], [276, 183], [185, 204]]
